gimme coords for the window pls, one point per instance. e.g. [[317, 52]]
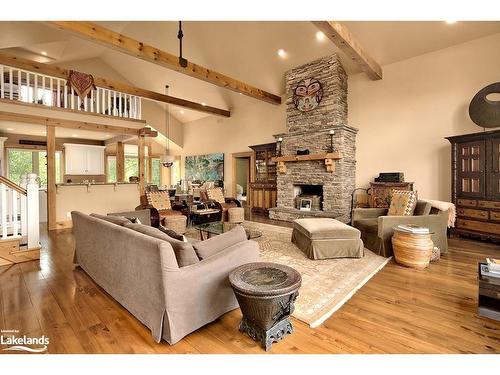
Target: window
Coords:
[[131, 166], [111, 170], [155, 171], [31, 161], [175, 172]]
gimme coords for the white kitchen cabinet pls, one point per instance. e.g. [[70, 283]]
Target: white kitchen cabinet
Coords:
[[83, 159]]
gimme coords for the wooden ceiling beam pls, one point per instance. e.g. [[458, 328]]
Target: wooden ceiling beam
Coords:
[[55, 71], [125, 44], [347, 43], [63, 123]]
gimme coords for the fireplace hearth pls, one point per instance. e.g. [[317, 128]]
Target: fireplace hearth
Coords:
[[308, 197], [305, 188]]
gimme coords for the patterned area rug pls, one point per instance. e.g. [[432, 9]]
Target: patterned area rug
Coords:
[[326, 284]]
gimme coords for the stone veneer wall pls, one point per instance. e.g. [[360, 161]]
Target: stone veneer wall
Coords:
[[310, 130]]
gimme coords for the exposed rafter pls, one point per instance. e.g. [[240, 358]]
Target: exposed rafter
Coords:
[[55, 71], [125, 44], [348, 44]]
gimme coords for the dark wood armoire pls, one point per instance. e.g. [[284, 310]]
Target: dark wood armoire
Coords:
[[263, 187], [475, 184]]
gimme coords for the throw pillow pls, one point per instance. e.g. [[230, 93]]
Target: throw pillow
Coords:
[[171, 233], [118, 220], [403, 203], [134, 220], [184, 251], [207, 248]]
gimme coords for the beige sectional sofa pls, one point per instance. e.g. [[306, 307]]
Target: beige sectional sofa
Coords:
[[161, 281]]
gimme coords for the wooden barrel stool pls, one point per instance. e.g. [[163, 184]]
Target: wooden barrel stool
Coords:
[[412, 249]]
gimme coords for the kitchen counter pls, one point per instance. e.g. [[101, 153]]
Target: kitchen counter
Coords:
[[95, 183]]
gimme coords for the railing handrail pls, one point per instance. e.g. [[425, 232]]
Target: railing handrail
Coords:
[[101, 100], [4, 180]]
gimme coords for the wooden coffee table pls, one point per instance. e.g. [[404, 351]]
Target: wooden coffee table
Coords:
[[266, 293]]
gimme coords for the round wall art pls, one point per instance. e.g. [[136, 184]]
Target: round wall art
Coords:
[[308, 94], [484, 111]]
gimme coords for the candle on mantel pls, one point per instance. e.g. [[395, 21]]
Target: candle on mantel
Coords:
[[280, 139]]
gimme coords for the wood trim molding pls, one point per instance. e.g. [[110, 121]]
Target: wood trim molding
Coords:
[[51, 178], [347, 43], [63, 123], [69, 110], [55, 71], [125, 44], [234, 156]]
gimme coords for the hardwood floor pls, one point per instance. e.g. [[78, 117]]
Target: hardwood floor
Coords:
[[399, 310]]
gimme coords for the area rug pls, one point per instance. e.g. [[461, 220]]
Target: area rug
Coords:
[[326, 284]]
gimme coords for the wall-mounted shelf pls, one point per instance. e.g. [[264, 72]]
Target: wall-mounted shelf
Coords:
[[328, 157]]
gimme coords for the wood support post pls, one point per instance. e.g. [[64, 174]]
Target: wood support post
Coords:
[[120, 162], [150, 165], [141, 154], [51, 177]]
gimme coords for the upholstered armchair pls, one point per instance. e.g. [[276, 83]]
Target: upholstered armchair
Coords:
[[377, 228], [159, 201], [216, 196]]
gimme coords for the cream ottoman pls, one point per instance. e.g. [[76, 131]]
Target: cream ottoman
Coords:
[[324, 238], [177, 223], [236, 215]]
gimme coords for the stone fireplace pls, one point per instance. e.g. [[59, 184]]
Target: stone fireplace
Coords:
[[329, 192]]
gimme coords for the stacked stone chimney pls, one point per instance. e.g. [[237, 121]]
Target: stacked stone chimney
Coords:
[[310, 130]]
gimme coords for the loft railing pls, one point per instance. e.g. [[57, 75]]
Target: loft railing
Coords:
[[19, 210], [29, 87]]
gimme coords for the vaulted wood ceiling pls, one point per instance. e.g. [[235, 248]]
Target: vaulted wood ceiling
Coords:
[[244, 50]]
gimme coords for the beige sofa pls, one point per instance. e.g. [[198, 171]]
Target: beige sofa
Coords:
[[142, 272]]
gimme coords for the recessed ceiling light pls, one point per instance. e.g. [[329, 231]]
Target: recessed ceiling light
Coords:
[[181, 112], [281, 53], [203, 103], [450, 22], [44, 53], [241, 93], [74, 135], [320, 35], [10, 129], [108, 135]]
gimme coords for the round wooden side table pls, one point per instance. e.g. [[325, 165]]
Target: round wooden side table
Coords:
[[412, 249], [266, 293]]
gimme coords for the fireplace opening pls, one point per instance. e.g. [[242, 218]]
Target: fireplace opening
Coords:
[[308, 197]]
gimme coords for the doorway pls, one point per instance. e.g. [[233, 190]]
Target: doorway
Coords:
[[242, 177]]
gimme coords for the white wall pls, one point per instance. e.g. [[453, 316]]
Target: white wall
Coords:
[[403, 118], [249, 125], [100, 199]]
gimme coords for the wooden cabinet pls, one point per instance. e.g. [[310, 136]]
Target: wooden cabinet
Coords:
[[263, 187], [381, 192], [475, 166], [83, 159]]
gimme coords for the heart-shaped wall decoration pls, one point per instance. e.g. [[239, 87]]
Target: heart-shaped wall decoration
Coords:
[[308, 94]]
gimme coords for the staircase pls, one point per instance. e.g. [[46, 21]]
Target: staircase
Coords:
[[19, 220]]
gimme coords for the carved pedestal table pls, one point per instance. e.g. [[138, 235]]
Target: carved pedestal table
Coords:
[[266, 293]]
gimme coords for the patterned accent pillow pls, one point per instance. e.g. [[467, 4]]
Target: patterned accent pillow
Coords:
[[159, 200], [403, 203], [216, 194]]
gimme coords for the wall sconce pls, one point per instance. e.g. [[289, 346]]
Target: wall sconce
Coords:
[[331, 149], [280, 140]]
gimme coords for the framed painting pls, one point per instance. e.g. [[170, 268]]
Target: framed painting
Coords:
[[208, 167]]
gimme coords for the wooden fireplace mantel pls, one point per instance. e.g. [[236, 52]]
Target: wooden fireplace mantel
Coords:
[[328, 157]]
